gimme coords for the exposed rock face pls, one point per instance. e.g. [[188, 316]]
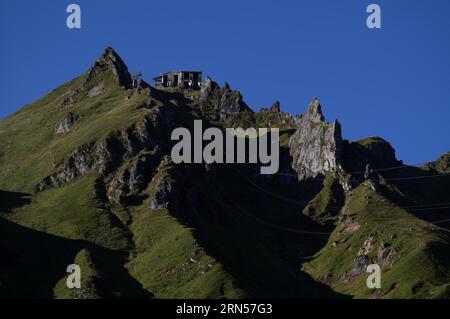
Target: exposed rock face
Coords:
[[360, 264], [441, 165], [168, 187], [223, 100], [207, 88], [275, 107], [383, 250], [110, 60], [231, 102], [273, 117], [129, 182], [316, 146], [79, 163], [163, 194], [96, 90], [105, 156], [66, 124]]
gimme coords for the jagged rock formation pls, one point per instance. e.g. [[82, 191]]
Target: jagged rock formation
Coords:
[[219, 103], [316, 146], [441, 165], [273, 117], [275, 107], [111, 61]]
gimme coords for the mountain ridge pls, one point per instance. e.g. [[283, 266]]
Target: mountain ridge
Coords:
[[88, 166]]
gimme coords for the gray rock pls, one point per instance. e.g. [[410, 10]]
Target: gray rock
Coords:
[[383, 251], [207, 88], [316, 146], [66, 124], [168, 190], [163, 195], [360, 265], [231, 102], [96, 90], [105, 156], [223, 100], [275, 107], [79, 163], [127, 184]]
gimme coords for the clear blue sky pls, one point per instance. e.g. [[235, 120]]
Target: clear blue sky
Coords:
[[393, 82]]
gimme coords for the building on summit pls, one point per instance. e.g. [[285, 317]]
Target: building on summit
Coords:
[[183, 79]]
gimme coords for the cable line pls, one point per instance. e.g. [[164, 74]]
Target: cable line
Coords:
[[268, 224], [362, 180]]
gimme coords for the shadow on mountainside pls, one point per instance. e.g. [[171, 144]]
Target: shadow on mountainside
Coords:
[[10, 200], [233, 223], [33, 262], [422, 193]]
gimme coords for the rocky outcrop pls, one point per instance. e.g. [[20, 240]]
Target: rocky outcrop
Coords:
[[220, 102], [207, 89], [441, 165], [231, 102], [111, 61], [167, 187], [127, 183], [79, 163], [96, 90], [275, 107], [273, 117], [66, 124], [107, 155], [316, 146]]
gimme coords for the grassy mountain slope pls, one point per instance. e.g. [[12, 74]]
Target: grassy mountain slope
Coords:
[[412, 253], [86, 178]]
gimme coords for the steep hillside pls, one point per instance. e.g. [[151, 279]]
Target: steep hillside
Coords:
[[86, 177]]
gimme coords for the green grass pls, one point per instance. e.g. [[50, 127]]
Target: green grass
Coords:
[[420, 250], [40, 149], [170, 263], [89, 275], [59, 212], [180, 268], [325, 206]]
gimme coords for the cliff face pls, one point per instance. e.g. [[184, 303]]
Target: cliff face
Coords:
[[316, 146]]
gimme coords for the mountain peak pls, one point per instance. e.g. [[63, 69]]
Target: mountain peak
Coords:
[[111, 61], [315, 110]]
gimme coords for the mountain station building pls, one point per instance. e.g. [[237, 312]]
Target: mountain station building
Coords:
[[183, 79]]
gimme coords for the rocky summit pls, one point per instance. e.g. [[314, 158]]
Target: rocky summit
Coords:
[[86, 178]]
